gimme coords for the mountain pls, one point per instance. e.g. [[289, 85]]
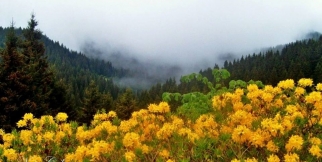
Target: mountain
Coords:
[[76, 69]]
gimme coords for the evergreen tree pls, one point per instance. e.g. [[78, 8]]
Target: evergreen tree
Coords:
[[37, 67], [92, 103], [318, 72], [13, 82], [125, 104], [27, 84]]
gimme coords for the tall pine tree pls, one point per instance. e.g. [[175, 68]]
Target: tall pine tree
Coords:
[[26, 82], [13, 81], [37, 66]]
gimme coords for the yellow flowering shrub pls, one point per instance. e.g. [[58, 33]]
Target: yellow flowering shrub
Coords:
[[254, 123]]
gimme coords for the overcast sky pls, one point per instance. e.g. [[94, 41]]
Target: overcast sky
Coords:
[[173, 31]]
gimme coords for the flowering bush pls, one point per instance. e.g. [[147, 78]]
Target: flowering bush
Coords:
[[253, 123]]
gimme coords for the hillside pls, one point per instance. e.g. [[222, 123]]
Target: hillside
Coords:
[[76, 69]]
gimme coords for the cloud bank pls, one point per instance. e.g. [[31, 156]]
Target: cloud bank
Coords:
[[187, 34]]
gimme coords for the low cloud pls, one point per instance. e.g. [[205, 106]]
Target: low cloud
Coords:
[[162, 35]]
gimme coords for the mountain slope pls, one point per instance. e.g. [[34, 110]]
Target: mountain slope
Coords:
[[77, 70]]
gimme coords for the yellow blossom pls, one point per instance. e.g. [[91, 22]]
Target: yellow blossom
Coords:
[[267, 97], [47, 119], [287, 124], [80, 153], [36, 129], [286, 84], [241, 134], [271, 146], [100, 117], [319, 87], [48, 136], [131, 140], [21, 123], [316, 151], [273, 158], [127, 125], [10, 154], [164, 153], [166, 131], [291, 109], [28, 116], [177, 122], [269, 89], [163, 107], [252, 87], [242, 117], [217, 103], [69, 157], [305, 82], [7, 138], [25, 136], [299, 91], [61, 117], [257, 139], [239, 91], [35, 158], [169, 160], [238, 106], [112, 114], [273, 126], [97, 148], [145, 149], [313, 97], [278, 103], [315, 141], [130, 156], [291, 157], [251, 160], [59, 135], [295, 142], [320, 122]]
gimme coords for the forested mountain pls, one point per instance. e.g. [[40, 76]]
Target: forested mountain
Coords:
[[76, 69], [300, 59], [71, 82]]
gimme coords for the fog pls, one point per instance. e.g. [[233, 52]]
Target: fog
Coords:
[[168, 37]]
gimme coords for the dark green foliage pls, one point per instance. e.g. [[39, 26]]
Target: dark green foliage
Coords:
[[296, 60], [13, 81], [26, 82], [40, 77], [125, 104], [23, 72], [93, 102]]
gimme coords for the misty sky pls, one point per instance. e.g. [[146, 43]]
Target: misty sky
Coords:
[[190, 32]]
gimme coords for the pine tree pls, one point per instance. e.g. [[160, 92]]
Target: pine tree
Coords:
[[318, 72], [92, 103], [125, 104], [37, 66], [13, 81], [27, 84]]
